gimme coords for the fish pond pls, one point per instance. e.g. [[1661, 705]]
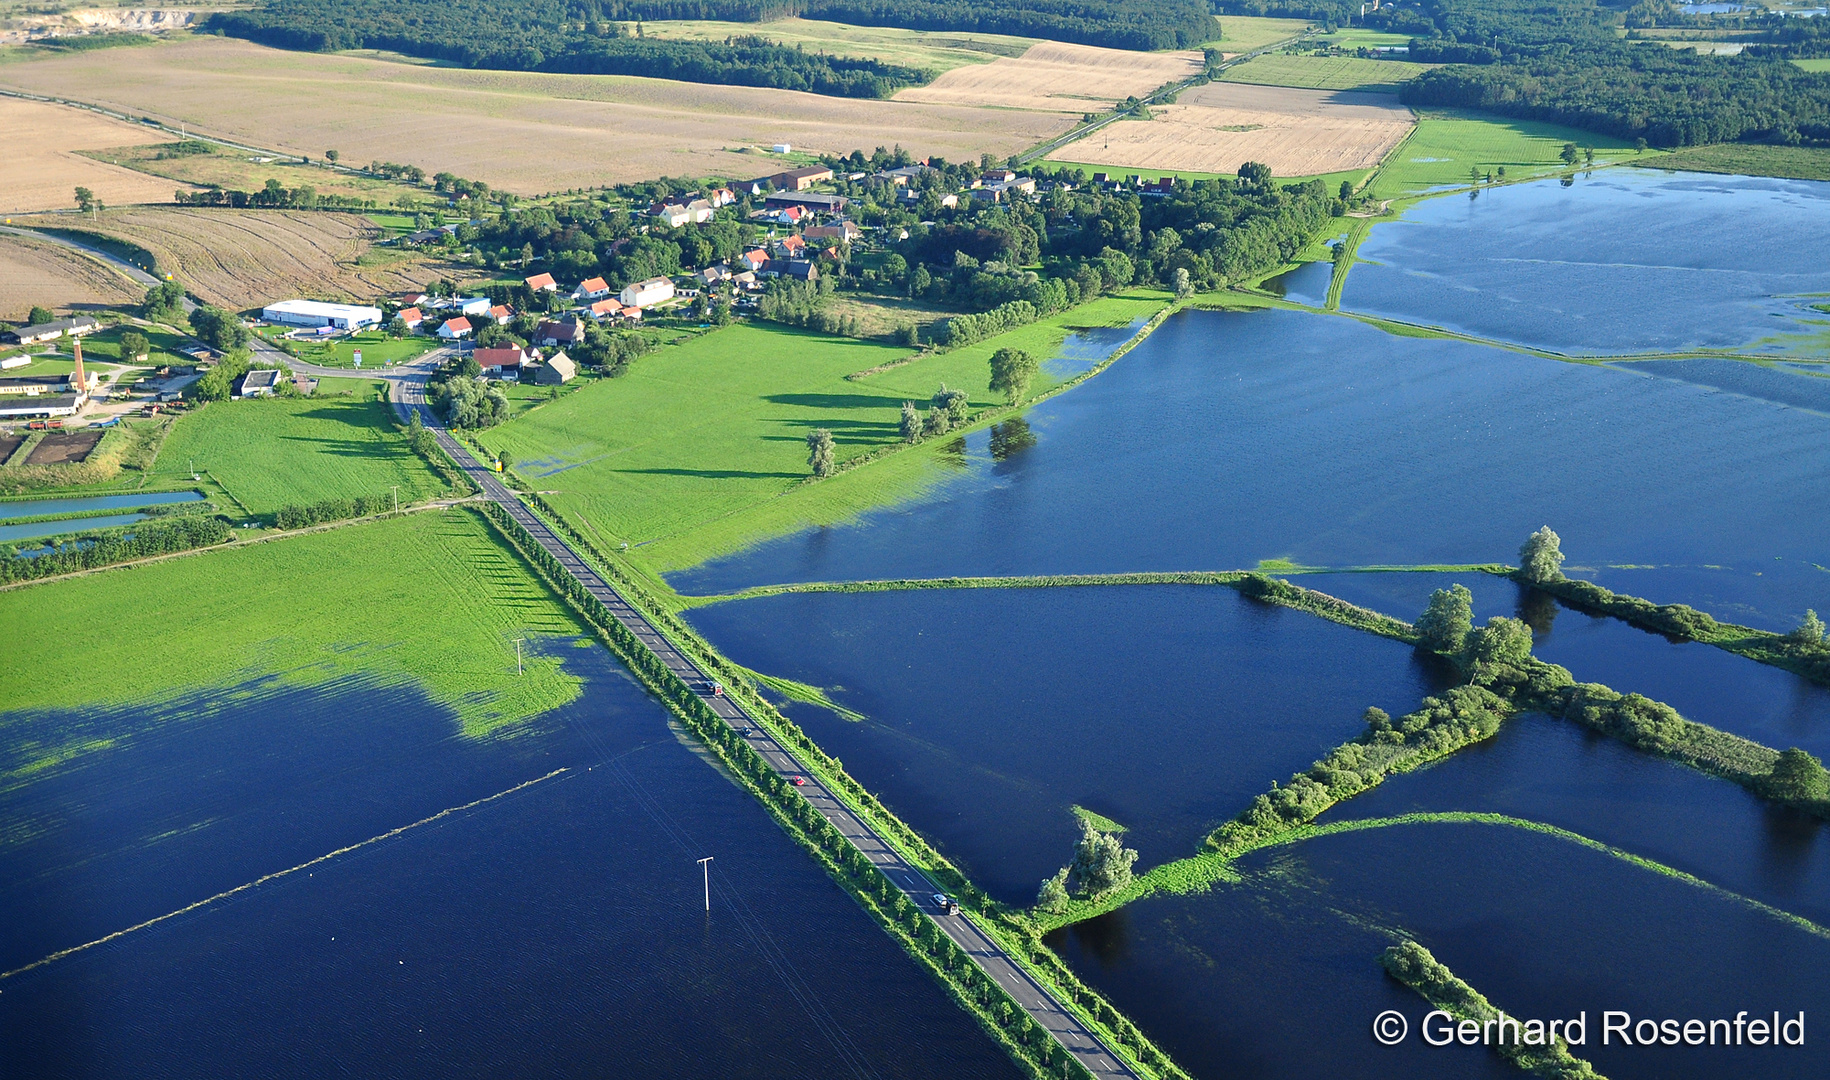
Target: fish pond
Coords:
[[526, 904], [1230, 437], [990, 714]]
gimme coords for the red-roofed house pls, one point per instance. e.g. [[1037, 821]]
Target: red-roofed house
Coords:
[[792, 245], [606, 309], [502, 363], [559, 333], [723, 196], [454, 328], [501, 313], [410, 316], [591, 289], [541, 282], [754, 260]]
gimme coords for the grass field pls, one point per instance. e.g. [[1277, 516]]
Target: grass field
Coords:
[[357, 600], [1818, 63], [1447, 143], [611, 128], [935, 51], [41, 166], [1745, 159], [242, 259], [377, 349], [105, 346], [701, 449], [240, 171], [1323, 72], [33, 271], [274, 452], [1241, 34]]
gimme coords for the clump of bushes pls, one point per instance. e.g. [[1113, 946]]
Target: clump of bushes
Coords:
[[299, 517], [87, 551]]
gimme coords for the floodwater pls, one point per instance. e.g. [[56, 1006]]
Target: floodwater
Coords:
[[39, 529], [992, 712], [553, 926], [1698, 261], [43, 507], [1083, 349], [1278, 977], [1307, 284], [1230, 437]]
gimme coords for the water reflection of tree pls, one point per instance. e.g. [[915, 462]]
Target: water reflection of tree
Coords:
[[953, 453], [1011, 437], [1537, 609]]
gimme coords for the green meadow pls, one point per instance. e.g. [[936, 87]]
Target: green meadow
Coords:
[[272, 452], [701, 448], [1447, 143], [377, 350], [1323, 72], [431, 598]]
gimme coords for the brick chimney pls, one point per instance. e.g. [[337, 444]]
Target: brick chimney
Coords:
[[77, 376]]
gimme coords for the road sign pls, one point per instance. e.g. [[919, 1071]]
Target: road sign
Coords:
[[358, 357]]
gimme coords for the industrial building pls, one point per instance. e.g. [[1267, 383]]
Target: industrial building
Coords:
[[317, 313]]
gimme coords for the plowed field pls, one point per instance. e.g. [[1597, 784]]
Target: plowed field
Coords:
[[39, 169], [33, 272], [1217, 127], [1054, 76]]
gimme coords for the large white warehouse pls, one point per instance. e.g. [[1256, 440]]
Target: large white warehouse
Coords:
[[315, 313]]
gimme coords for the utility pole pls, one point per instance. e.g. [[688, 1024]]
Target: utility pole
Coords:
[[518, 642], [706, 869]]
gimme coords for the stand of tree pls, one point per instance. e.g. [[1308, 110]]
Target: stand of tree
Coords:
[[85, 551]]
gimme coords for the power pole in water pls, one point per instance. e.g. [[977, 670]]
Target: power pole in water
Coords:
[[518, 642], [706, 870]]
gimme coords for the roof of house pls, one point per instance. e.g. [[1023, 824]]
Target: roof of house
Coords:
[[595, 284], [500, 311], [757, 255], [650, 283], [410, 314], [560, 331], [457, 325], [540, 281], [560, 362], [607, 307], [506, 356], [792, 243]]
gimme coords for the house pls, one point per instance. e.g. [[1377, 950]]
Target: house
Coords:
[[673, 215], [413, 298], [648, 293], [76, 327], [720, 197], [997, 176], [501, 363], [712, 275], [314, 313], [802, 270], [744, 279], [557, 369], [501, 313], [541, 283], [261, 382], [911, 196], [454, 328], [1158, 189], [412, 317], [996, 190], [844, 232], [791, 245], [606, 309], [753, 260], [801, 179], [591, 289], [701, 210], [906, 175], [559, 333], [811, 201]]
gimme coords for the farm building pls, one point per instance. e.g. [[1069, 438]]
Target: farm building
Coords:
[[557, 369], [801, 179], [503, 363], [261, 382], [31, 335], [802, 270], [815, 202], [453, 329], [317, 313], [648, 293]]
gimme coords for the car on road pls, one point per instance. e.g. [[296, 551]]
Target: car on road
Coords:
[[946, 904], [798, 781]]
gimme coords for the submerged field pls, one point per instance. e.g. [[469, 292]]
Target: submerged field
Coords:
[[267, 453]]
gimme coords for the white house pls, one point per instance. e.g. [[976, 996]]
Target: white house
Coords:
[[648, 293], [314, 313], [591, 289], [454, 328]]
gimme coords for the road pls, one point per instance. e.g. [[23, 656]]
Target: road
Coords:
[[1067, 1029]]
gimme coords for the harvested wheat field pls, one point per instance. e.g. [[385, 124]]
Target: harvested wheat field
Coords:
[[1054, 76], [521, 132], [1217, 127], [40, 169], [36, 272], [240, 259]]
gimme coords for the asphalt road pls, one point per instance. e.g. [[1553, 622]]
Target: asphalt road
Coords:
[[1067, 1029]]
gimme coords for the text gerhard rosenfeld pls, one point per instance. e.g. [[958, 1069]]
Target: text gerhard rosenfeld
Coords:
[[1438, 1028]]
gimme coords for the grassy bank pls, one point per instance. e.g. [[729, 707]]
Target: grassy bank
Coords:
[[272, 452], [1449, 142], [429, 599], [1750, 159]]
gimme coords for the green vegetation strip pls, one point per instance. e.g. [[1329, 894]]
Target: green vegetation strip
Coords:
[[1412, 965]]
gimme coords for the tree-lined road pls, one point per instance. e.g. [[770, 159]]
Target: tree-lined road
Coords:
[[1065, 1027]]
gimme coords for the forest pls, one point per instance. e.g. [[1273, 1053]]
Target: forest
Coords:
[[603, 37]]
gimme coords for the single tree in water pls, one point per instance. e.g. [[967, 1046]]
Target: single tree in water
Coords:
[[1101, 864], [1053, 896], [819, 452], [1445, 625], [911, 423], [1011, 372], [1541, 557], [1798, 777], [1810, 632]]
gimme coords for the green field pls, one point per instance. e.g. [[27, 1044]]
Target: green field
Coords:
[[273, 452], [1332, 180], [936, 51], [1447, 143], [429, 598], [700, 449], [1240, 33], [105, 346], [1818, 63], [1323, 72], [1358, 37], [377, 348], [1747, 159]]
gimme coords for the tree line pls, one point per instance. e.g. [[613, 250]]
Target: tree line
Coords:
[[86, 551]]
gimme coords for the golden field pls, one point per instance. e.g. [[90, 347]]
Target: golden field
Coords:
[[40, 169]]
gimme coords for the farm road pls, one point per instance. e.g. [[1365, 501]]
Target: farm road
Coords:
[[1064, 1026]]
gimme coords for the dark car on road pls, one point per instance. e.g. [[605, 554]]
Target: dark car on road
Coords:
[[946, 904]]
